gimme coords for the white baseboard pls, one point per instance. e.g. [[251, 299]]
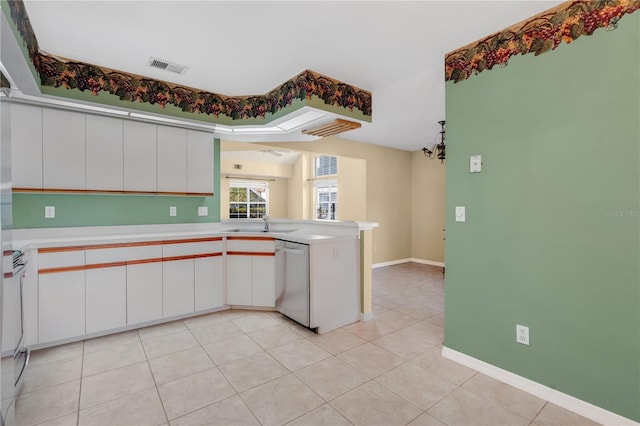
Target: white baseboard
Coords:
[[390, 263], [558, 398], [366, 317], [427, 262], [410, 259]]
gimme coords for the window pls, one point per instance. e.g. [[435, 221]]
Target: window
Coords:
[[325, 191], [325, 165], [248, 199], [326, 199]]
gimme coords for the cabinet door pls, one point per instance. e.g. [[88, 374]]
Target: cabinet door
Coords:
[[239, 280], [199, 162], [26, 146], [104, 144], [61, 305], [144, 292], [63, 149], [209, 283], [172, 159], [139, 156], [264, 277], [106, 298], [177, 287]]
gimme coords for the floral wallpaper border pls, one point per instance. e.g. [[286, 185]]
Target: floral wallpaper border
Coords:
[[537, 35], [4, 81], [60, 72]]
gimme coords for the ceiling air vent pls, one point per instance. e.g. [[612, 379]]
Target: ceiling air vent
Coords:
[[333, 128], [166, 65]]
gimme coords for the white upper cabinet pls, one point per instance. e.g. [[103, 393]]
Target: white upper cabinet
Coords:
[[104, 144], [172, 159], [60, 149], [199, 162], [63, 149], [26, 146], [139, 156]]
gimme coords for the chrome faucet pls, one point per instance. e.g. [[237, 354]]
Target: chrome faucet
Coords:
[[266, 223]]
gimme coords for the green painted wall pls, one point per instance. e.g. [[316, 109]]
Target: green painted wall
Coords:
[[105, 210], [552, 232]]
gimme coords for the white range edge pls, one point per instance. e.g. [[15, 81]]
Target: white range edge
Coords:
[[306, 232]]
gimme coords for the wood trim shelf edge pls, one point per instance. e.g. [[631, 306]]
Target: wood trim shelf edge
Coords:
[[109, 191]]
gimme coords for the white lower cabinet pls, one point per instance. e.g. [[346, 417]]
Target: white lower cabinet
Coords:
[[251, 280], [106, 298], [239, 279], [263, 283], [144, 292], [92, 289], [177, 287], [208, 282], [61, 305]]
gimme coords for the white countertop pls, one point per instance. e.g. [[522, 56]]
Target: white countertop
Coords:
[[306, 232]]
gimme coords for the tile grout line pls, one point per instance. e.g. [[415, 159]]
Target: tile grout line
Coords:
[[539, 411], [153, 377]]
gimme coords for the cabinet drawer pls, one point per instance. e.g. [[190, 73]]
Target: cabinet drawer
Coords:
[[122, 254], [170, 249], [59, 259], [251, 246]]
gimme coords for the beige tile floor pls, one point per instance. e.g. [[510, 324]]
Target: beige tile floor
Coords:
[[249, 368]]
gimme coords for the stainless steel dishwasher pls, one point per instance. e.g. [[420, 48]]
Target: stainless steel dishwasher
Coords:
[[292, 281]]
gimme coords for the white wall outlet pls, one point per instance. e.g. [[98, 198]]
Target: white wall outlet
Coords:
[[522, 334], [475, 163], [460, 214], [203, 211], [49, 212], [173, 211]]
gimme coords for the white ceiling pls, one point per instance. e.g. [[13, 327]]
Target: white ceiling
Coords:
[[393, 49]]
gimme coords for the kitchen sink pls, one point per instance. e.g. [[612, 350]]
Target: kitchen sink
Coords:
[[274, 230]]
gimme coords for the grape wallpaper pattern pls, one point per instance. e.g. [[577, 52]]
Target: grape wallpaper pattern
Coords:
[[538, 34], [59, 72]]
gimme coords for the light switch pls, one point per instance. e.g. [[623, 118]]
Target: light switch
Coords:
[[173, 211], [460, 214], [475, 163], [203, 211], [49, 212]]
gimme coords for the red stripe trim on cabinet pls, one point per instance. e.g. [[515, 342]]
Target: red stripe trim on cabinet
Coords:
[[60, 249], [62, 269], [192, 240], [142, 261], [111, 191], [125, 263], [121, 245], [190, 256], [251, 238], [250, 253], [105, 265], [200, 256]]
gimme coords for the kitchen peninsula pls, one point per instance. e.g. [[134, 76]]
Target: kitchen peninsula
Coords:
[[90, 281]]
